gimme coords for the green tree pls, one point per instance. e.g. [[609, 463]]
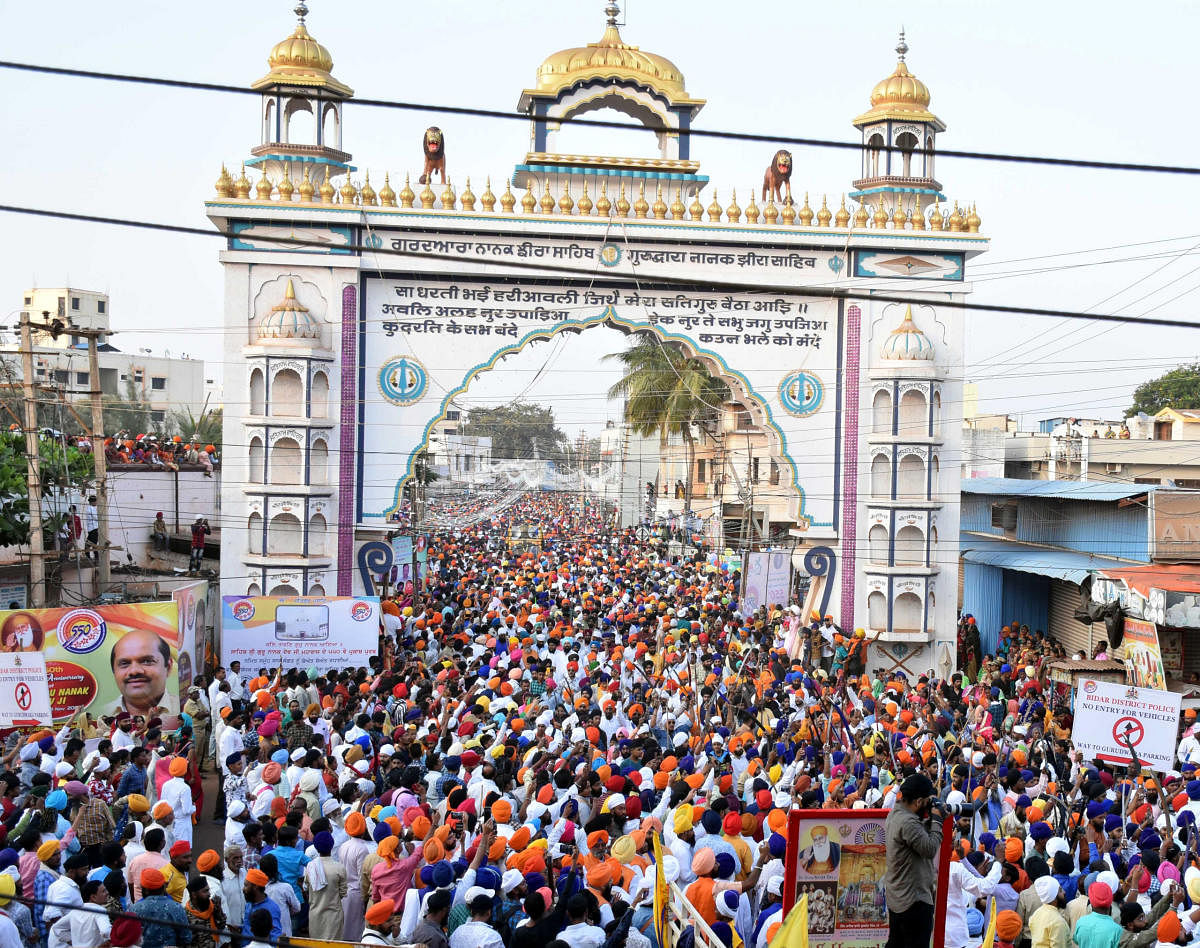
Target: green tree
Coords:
[[1179, 388], [205, 429], [667, 392], [519, 431], [61, 468], [131, 414]]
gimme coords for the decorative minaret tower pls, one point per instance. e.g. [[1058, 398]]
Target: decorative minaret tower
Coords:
[[898, 135], [301, 110]]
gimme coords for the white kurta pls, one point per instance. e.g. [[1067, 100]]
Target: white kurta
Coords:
[[178, 794]]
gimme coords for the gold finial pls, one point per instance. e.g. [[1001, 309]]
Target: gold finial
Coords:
[[585, 202], [448, 196], [547, 202], [936, 221], [956, 219], [286, 187], [806, 213], [367, 195], [824, 215], [242, 186], [696, 209], [770, 212], [387, 197], [678, 208], [349, 192], [622, 206], [659, 207], [788, 215], [641, 208], [529, 202], [860, 215], [264, 188], [843, 216], [901, 47], [604, 205], [427, 197], [714, 209], [565, 203], [307, 189], [613, 12], [899, 218], [224, 184], [468, 198], [406, 193], [918, 215], [752, 209], [326, 189], [488, 200], [973, 221], [881, 216], [507, 200], [733, 213]]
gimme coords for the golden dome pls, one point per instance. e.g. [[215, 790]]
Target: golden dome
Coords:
[[612, 58], [289, 319], [900, 96], [299, 60]]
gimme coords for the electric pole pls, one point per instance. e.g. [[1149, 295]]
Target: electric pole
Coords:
[[104, 576], [33, 479]]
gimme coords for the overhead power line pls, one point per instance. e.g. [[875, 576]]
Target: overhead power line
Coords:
[[715, 284], [657, 127]]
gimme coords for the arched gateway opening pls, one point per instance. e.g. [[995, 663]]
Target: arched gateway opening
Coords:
[[626, 413]]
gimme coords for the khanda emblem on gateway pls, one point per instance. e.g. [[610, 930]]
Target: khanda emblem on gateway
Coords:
[[801, 393], [403, 380]]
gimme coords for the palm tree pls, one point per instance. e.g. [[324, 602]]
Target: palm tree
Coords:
[[666, 391]]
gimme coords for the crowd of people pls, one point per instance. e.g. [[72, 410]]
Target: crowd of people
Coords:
[[543, 729]]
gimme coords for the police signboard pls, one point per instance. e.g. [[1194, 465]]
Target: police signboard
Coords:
[[1113, 719]]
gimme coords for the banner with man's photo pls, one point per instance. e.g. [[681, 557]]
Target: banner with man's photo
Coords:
[[102, 660], [838, 859], [299, 632]]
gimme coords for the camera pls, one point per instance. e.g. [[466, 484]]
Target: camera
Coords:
[[943, 809]]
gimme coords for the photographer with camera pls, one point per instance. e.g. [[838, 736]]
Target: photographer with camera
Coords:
[[200, 530], [914, 836]]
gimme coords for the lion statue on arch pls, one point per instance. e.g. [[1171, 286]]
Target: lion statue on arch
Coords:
[[435, 155], [779, 176]]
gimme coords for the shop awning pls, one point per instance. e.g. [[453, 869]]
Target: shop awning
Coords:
[[1172, 577], [1069, 565]]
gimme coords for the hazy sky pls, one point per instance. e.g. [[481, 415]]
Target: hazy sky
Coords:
[[1102, 79]]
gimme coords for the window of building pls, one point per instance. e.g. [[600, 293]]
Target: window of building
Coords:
[[158, 415], [700, 470], [62, 376], [1147, 480], [1191, 483], [101, 306], [62, 306], [754, 470], [453, 415], [158, 383], [74, 302], [1004, 516], [76, 340], [81, 378], [774, 473], [28, 300]]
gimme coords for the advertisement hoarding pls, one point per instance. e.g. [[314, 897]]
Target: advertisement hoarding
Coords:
[[194, 645], [24, 689], [104, 659], [1143, 654], [299, 632]]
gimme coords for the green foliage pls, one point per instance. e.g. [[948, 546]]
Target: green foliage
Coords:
[[1179, 388], [206, 429], [519, 431], [131, 414], [667, 392], [60, 469]]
